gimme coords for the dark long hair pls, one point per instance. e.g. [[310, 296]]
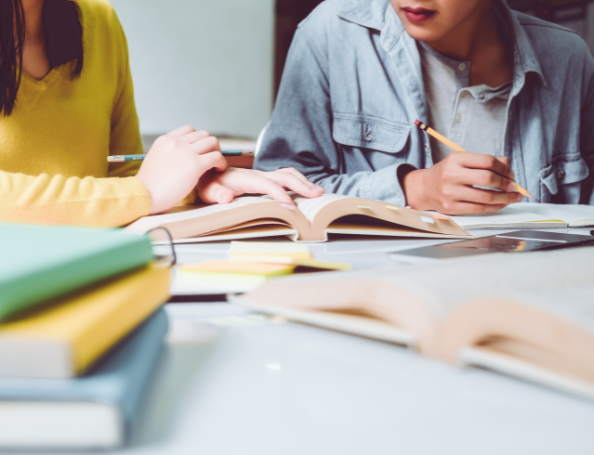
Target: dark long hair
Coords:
[[62, 31]]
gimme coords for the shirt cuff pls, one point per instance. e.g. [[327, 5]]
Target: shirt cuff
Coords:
[[401, 170]]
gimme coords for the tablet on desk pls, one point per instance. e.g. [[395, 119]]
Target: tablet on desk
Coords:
[[510, 242]]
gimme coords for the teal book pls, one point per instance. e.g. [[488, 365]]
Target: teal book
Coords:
[[97, 411], [42, 262]]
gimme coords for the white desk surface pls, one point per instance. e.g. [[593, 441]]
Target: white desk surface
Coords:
[[265, 388], [232, 382], [362, 253]]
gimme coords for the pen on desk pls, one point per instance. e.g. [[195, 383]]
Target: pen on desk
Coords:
[[140, 157], [457, 148]]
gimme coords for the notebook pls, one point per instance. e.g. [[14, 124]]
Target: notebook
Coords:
[[65, 337], [95, 412], [313, 220], [528, 315], [39, 263], [525, 215]]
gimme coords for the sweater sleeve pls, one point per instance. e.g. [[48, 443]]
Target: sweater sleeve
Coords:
[[101, 202], [125, 129]]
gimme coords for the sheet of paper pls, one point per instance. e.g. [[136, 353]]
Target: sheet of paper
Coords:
[[508, 217], [578, 214], [191, 283]]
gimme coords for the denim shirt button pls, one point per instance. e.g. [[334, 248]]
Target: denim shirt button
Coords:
[[560, 174], [368, 134]]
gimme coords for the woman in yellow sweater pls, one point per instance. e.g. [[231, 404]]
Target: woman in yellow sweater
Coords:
[[67, 102]]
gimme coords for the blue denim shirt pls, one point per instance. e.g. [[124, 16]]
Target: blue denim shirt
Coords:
[[353, 87]]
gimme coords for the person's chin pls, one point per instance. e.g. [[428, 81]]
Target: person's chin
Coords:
[[423, 31]]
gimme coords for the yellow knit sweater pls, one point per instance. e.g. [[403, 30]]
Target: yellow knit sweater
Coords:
[[54, 146]]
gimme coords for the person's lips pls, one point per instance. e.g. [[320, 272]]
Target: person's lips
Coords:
[[418, 15]]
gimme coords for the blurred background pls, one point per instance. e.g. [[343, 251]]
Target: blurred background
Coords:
[[216, 65]]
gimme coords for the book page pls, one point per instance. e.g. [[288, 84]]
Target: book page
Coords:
[[447, 284], [419, 298], [520, 368], [577, 215], [361, 325], [545, 336], [191, 212], [311, 207], [572, 303], [253, 232], [510, 216]]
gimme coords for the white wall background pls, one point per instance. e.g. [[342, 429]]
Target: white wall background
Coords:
[[207, 63]]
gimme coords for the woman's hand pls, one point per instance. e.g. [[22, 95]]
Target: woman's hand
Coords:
[[447, 187], [175, 163], [222, 188]]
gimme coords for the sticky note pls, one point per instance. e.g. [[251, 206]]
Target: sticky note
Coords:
[[250, 268], [426, 219]]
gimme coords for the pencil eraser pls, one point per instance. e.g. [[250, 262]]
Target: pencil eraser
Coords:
[[417, 122]]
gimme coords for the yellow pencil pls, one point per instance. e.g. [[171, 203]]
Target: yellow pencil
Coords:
[[457, 148]]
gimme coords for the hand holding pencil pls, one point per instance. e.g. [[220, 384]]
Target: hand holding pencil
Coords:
[[449, 186], [457, 148]]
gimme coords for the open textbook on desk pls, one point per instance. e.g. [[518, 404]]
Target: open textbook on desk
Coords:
[[312, 220], [529, 315]]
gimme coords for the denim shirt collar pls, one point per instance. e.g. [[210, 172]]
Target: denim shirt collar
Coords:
[[380, 15]]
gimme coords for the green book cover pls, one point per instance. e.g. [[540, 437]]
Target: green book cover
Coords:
[[38, 263]]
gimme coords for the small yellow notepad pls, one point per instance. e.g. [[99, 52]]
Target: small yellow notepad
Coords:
[[281, 253], [249, 268], [288, 260]]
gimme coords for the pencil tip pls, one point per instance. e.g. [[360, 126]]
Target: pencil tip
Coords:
[[524, 192]]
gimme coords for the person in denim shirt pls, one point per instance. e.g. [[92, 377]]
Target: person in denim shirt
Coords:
[[353, 87]]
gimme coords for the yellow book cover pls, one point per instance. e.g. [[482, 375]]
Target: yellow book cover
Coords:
[[67, 336]]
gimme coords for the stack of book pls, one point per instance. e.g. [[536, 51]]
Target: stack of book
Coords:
[[81, 332]]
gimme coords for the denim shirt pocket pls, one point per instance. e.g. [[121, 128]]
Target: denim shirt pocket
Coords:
[[561, 182], [370, 133]]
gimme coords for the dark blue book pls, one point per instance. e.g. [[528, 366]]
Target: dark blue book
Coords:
[[95, 411]]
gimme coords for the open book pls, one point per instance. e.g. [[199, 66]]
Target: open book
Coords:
[[525, 215], [529, 315], [313, 220]]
